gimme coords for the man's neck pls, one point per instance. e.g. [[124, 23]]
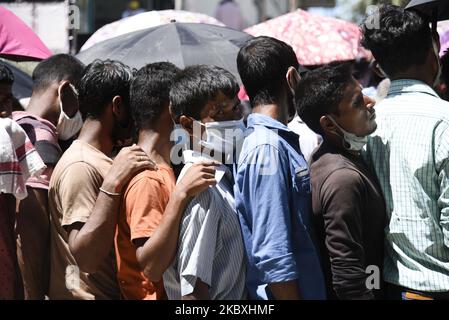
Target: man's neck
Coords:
[[337, 143], [97, 135], [271, 110], [420, 76], [42, 106], [156, 145]]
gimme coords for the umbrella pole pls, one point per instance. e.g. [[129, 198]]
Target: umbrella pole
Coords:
[[293, 5], [179, 5]]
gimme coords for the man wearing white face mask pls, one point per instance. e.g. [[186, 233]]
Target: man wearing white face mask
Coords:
[[51, 115], [209, 263], [409, 153], [346, 198]]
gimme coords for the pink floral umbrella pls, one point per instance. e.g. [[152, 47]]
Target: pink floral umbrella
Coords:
[[316, 39], [146, 20], [443, 30], [19, 40]]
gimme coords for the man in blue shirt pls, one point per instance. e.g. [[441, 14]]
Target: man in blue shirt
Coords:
[[272, 182]]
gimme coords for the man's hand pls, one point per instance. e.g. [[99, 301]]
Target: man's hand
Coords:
[[199, 176], [129, 162]]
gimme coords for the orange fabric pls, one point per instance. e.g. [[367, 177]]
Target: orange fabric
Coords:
[[143, 205]]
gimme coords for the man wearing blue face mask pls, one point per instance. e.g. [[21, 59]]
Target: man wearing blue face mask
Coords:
[[409, 153], [347, 201], [209, 263]]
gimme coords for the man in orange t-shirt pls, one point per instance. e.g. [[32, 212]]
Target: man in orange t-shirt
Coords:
[[151, 209]]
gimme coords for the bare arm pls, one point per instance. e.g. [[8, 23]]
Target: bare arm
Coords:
[[201, 292], [92, 241], [288, 290], [165, 238]]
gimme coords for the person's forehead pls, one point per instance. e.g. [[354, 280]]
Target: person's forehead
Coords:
[[353, 89], [220, 100]]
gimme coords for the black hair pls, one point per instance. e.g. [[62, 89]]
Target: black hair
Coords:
[[263, 63], [320, 92], [150, 92], [57, 68], [401, 40], [196, 85], [102, 81], [6, 75]]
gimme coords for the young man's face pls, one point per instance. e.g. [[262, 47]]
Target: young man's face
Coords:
[[5, 100], [356, 112], [222, 108]]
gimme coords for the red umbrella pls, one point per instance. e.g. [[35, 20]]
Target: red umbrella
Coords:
[[316, 39], [17, 39]]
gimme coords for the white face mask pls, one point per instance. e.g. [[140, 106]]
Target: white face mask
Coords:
[[180, 135], [220, 136], [351, 142], [67, 127], [440, 69]]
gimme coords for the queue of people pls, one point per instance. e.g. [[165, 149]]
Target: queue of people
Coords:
[[162, 189]]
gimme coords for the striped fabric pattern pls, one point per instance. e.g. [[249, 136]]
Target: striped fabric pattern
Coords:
[[18, 159], [210, 246], [44, 137], [409, 153]]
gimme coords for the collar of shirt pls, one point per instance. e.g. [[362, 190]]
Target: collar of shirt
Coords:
[[257, 119], [191, 156], [402, 86], [270, 123]]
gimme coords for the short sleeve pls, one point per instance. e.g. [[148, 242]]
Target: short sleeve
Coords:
[[197, 242], [78, 189], [145, 202]]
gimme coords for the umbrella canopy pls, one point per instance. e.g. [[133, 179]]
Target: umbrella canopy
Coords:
[[23, 84], [316, 39], [443, 31], [183, 44], [18, 40], [146, 20], [438, 9]]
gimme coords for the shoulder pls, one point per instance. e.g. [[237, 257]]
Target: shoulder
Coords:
[[344, 181], [31, 123], [147, 179]]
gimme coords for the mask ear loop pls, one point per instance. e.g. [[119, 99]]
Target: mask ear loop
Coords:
[[346, 144]]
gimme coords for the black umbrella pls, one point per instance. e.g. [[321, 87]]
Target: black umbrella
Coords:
[[183, 44], [436, 10]]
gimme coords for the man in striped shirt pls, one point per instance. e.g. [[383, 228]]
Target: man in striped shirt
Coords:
[[210, 262], [409, 153]]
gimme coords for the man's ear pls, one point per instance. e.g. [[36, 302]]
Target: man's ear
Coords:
[[293, 79], [187, 124], [378, 70], [170, 110], [327, 124], [68, 97], [117, 106]]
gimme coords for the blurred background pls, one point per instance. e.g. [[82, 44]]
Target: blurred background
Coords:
[[64, 26]]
